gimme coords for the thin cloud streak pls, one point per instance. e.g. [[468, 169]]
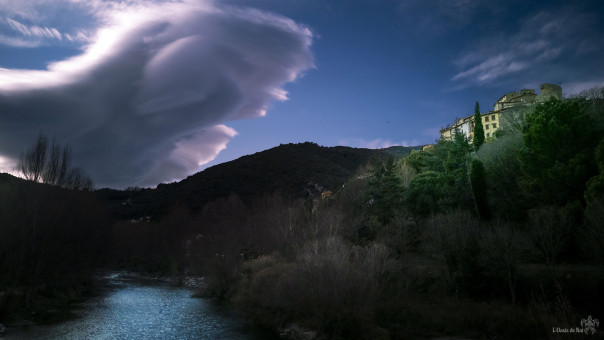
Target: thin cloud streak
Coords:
[[541, 40], [35, 31], [146, 100]]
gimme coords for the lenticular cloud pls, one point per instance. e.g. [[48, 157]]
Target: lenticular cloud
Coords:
[[145, 100]]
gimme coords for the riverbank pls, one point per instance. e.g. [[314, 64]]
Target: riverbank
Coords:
[[192, 282], [128, 305], [45, 304], [54, 304]]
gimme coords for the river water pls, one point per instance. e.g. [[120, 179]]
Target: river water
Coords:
[[133, 309]]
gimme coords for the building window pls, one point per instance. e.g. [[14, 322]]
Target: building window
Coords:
[[488, 134], [494, 125], [486, 127], [493, 117], [486, 119]]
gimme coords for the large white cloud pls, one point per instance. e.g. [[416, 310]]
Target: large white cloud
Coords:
[[145, 100]]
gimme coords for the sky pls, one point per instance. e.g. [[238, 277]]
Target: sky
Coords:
[[152, 91]]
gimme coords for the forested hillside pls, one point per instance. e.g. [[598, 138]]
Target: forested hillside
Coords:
[[294, 170]]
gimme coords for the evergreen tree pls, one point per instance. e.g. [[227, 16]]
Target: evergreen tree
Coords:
[[386, 189], [478, 128], [558, 157]]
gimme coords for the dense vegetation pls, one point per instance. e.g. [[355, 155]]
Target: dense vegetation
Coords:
[[501, 241], [52, 240], [504, 241], [55, 236]]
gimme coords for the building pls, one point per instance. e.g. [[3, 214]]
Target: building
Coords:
[[527, 97], [491, 121]]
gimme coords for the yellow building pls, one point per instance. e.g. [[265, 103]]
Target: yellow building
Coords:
[[490, 124], [491, 121]]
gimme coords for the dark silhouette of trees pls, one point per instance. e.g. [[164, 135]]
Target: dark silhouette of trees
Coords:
[[52, 240], [478, 128], [595, 185], [31, 163], [51, 163], [479, 188], [558, 157]]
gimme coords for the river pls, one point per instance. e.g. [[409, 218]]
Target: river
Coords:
[[136, 309]]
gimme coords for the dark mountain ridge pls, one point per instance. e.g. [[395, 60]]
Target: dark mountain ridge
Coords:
[[291, 169]]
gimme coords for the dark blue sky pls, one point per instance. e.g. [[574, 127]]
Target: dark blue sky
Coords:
[[385, 70], [182, 89]]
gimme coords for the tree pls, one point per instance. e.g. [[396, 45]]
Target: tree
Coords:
[[558, 156], [425, 193], [385, 188], [595, 186], [478, 128], [51, 164], [442, 179], [503, 171], [479, 188], [32, 162]]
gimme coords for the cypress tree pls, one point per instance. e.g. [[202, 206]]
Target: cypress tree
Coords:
[[478, 128]]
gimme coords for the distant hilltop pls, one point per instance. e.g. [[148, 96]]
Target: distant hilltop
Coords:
[[491, 121]]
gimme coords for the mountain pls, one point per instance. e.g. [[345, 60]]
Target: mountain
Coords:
[[291, 169]]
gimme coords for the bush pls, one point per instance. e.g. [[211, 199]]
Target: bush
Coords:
[[332, 287]]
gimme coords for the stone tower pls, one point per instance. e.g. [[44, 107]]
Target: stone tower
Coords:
[[550, 90]]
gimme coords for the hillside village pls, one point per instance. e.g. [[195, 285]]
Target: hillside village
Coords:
[[494, 120]]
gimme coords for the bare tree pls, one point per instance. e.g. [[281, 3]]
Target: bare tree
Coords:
[[504, 247], [32, 162], [77, 179], [51, 164], [64, 167], [549, 231]]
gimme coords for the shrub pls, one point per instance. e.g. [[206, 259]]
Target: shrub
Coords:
[[333, 287]]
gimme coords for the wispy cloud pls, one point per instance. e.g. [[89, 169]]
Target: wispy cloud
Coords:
[[35, 31], [146, 100], [540, 40]]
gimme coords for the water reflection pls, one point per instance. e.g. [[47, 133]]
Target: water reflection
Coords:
[[134, 310]]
